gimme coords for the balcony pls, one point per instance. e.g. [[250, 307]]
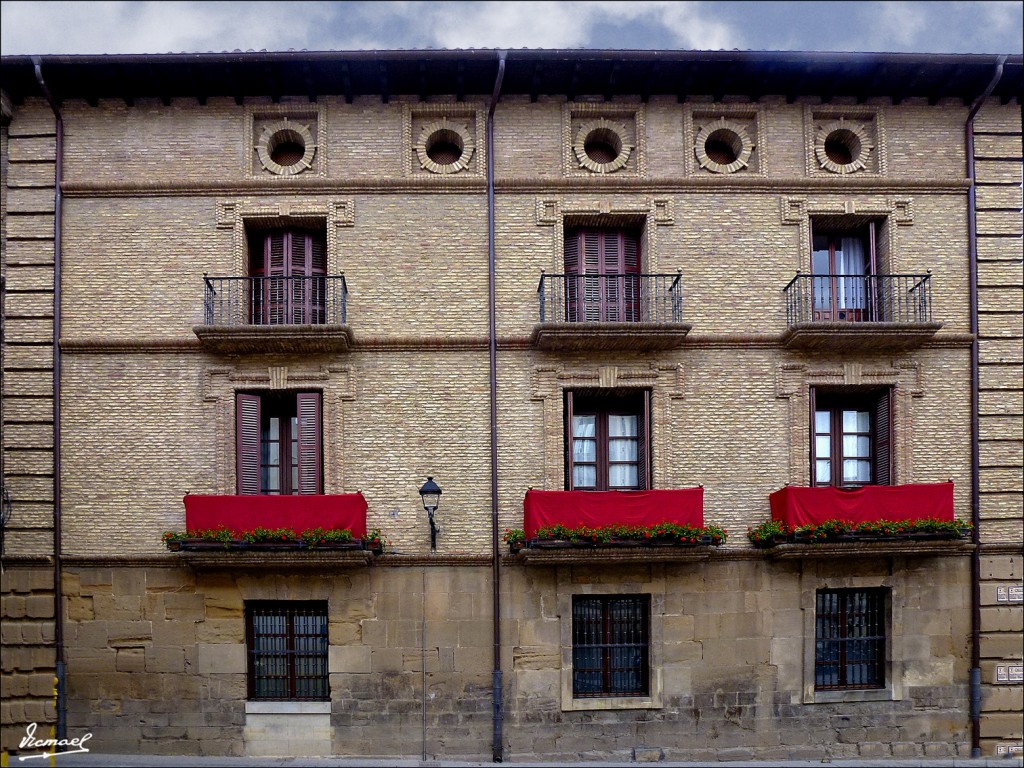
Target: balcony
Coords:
[[859, 511], [244, 315], [641, 312], [600, 509], [240, 515], [859, 313]]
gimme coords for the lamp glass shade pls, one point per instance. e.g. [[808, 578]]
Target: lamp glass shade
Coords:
[[431, 494]]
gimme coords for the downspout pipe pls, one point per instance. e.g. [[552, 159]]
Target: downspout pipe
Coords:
[[972, 241], [58, 592], [497, 692]]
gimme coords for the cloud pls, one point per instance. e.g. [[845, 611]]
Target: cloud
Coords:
[[571, 24], [900, 25], [158, 27]]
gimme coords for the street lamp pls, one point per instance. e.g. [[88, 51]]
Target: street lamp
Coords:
[[431, 495]]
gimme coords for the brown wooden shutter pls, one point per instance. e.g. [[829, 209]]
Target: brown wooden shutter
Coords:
[[247, 444], [631, 282], [309, 442], [643, 444], [572, 280], [883, 438], [568, 441], [275, 268], [590, 267], [812, 403]]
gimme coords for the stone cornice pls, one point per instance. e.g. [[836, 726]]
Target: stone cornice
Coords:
[[458, 185], [99, 346]]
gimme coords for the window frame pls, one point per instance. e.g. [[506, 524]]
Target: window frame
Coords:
[[288, 610], [250, 443], [602, 404], [655, 590], [603, 268], [834, 283], [877, 600], [287, 267], [879, 403], [606, 648]]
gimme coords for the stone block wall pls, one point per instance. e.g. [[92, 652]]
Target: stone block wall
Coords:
[[1000, 229], [26, 411]]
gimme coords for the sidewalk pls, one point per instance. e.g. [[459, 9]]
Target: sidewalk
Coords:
[[132, 761]]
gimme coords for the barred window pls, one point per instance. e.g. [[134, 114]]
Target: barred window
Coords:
[[849, 639], [287, 650], [610, 645]]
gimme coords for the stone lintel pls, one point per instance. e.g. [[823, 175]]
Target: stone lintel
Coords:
[[869, 549]]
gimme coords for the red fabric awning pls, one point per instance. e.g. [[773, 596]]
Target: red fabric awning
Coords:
[[796, 505], [243, 513], [598, 508]]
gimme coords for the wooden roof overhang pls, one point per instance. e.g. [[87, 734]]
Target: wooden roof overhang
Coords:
[[471, 73]]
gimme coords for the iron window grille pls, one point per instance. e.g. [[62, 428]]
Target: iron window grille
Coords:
[[610, 645], [849, 639], [287, 651]]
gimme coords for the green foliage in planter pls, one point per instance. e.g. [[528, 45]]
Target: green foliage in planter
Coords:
[[220, 534], [768, 532], [315, 536], [684, 534], [514, 537], [375, 540], [261, 535]]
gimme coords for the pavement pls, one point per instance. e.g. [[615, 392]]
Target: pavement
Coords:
[[37, 760]]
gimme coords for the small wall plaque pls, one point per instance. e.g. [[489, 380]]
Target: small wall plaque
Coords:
[[1010, 673], [1005, 750], [1011, 594]]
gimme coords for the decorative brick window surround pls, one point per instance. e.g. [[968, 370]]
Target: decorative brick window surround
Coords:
[[723, 146], [724, 139], [284, 140], [445, 146], [601, 139], [844, 140], [842, 147], [601, 146], [440, 141], [286, 148]]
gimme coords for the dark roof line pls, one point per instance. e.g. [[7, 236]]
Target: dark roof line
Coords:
[[471, 72]]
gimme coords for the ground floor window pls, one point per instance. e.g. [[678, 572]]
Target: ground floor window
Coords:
[[849, 639], [286, 644], [610, 645]]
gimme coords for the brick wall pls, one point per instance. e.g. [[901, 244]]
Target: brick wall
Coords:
[[158, 195]]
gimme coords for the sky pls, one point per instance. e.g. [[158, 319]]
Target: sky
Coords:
[[41, 27]]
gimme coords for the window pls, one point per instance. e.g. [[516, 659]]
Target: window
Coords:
[[287, 270], [849, 639], [842, 261], [607, 437], [278, 443], [286, 645], [851, 437], [602, 274], [610, 645]]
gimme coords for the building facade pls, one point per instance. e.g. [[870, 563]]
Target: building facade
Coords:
[[281, 290]]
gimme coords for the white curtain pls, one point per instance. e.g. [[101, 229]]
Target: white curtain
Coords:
[[850, 264]]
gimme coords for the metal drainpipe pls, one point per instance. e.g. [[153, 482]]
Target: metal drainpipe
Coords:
[[497, 693], [58, 592], [972, 240]]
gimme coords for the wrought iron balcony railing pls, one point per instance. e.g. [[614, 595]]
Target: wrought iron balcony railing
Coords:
[[246, 301], [859, 298], [644, 298]]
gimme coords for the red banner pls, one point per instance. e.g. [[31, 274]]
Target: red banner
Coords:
[[599, 508], [243, 513], [796, 505]]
